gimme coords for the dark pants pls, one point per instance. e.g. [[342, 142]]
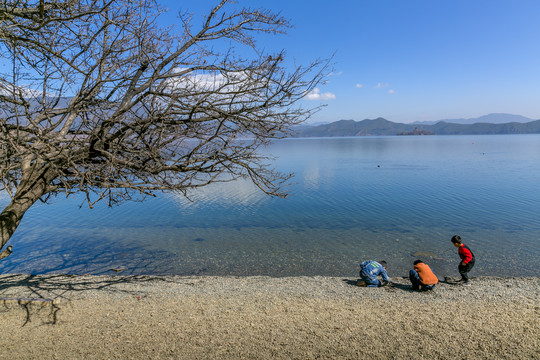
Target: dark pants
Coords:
[[416, 283], [464, 269]]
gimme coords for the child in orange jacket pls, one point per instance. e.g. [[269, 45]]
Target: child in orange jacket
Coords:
[[421, 276]]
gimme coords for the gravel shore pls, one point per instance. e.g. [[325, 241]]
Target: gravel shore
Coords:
[[143, 317]]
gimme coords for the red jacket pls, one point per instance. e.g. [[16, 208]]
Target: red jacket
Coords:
[[427, 277], [465, 254]]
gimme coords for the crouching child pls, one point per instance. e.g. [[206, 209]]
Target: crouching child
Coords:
[[369, 270], [421, 276]]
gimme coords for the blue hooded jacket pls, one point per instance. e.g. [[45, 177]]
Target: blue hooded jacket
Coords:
[[372, 269]]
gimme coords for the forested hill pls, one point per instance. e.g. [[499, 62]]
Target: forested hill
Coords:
[[381, 127]]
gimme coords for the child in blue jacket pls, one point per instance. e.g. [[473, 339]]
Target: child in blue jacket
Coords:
[[369, 270]]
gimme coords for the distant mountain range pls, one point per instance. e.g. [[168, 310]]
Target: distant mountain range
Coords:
[[383, 127], [498, 118]]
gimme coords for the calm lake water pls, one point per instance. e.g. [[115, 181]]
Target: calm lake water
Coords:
[[382, 198]]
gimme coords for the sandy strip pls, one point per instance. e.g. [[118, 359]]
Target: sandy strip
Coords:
[[97, 317]]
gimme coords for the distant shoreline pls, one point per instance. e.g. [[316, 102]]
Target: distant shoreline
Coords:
[[383, 127], [201, 317]]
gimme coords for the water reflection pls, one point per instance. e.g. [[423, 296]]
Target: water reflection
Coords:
[[352, 199], [236, 193]]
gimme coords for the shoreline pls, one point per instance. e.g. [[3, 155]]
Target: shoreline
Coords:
[[201, 317]]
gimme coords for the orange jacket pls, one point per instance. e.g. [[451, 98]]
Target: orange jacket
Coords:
[[427, 277]]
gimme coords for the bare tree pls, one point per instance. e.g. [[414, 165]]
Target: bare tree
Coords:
[[101, 99]]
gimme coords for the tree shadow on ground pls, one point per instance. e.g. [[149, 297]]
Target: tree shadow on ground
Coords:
[[36, 293], [59, 286]]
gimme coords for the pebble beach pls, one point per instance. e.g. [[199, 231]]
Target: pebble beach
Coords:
[[142, 317]]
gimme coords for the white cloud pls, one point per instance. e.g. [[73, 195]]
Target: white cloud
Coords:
[[391, 91], [26, 92], [381, 85], [199, 82], [358, 86], [317, 95]]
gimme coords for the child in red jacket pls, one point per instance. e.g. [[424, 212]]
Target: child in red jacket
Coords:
[[467, 259]]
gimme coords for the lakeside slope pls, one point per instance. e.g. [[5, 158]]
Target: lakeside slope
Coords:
[[100, 317]]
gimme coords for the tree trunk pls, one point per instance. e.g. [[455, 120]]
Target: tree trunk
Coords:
[[33, 185], [10, 219]]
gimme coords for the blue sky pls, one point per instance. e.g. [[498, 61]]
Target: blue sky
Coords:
[[414, 60]]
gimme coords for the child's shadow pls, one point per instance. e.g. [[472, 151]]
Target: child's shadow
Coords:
[[350, 282], [390, 287], [403, 287]]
